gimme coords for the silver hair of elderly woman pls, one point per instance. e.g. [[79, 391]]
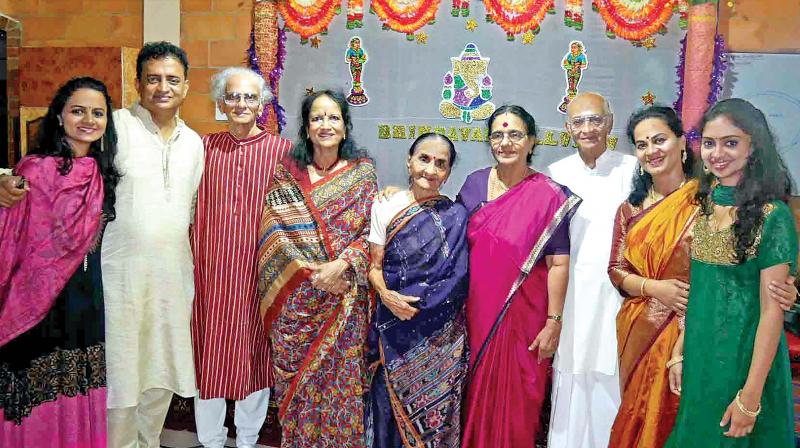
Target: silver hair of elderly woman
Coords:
[[220, 81]]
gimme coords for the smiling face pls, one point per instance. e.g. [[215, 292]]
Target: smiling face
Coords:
[[510, 141], [658, 149], [84, 118], [163, 85], [429, 166], [725, 149], [244, 90], [325, 127]]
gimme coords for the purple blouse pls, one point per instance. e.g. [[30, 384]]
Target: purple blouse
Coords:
[[473, 196]]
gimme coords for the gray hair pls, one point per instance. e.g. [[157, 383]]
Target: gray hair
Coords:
[[220, 81]]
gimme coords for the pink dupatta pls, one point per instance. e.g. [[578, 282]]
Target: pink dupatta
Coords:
[[44, 238]]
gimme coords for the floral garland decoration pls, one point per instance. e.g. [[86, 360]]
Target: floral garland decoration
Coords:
[[634, 20], [269, 54], [718, 69], [406, 18], [518, 18], [308, 17], [683, 14], [355, 14], [460, 7], [274, 79], [573, 14]]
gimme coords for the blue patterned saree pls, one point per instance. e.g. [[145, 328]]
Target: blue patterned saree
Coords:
[[421, 363]]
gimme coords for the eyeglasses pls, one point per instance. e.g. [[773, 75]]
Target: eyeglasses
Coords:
[[513, 136], [595, 121], [232, 99]]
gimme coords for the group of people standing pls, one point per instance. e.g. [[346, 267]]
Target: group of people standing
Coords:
[[139, 261]]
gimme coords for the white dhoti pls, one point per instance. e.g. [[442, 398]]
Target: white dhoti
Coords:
[[586, 389], [584, 408]]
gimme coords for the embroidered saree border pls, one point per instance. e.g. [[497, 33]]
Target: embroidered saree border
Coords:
[[534, 256]]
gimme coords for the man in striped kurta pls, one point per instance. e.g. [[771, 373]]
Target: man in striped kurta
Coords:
[[231, 347]]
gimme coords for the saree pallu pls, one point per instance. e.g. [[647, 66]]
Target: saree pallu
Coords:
[[417, 388], [655, 244], [52, 363], [317, 338], [507, 308]]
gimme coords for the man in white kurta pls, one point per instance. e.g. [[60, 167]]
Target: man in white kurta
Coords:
[[586, 390], [146, 258]]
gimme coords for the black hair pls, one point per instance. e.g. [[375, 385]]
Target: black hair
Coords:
[[519, 111], [642, 180], [52, 140], [435, 136], [160, 50], [764, 179], [303, 151]]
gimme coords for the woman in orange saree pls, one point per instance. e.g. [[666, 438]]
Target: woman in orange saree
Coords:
[[650, 259], [650, 265]]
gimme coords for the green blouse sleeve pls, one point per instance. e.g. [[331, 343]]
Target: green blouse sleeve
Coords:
[[778, 239]]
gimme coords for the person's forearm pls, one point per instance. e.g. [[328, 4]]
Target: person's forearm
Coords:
[[632, 285], [768, 335], [557, 279], [677, 349], [376, 280]]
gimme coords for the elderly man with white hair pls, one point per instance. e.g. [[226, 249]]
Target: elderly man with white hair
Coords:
[[231, 349], [586, 389]]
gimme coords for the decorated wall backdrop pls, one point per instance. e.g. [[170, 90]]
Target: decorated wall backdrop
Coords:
[[403, 80]]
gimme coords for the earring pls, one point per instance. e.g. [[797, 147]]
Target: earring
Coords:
[[60, 122], [706, 170], [683, 157], [641, 171], [102, 143]]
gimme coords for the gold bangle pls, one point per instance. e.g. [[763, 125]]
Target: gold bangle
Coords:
[[744, 410], [641, 288], [555, 317], [675, 360]]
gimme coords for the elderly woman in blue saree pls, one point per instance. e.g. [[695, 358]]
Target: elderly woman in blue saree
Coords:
[[418, 335]]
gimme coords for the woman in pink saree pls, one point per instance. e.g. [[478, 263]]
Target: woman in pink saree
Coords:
[[518, 235], [52, 355]]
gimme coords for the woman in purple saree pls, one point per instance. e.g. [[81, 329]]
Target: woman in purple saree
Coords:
[[418, 336], [519, 256]]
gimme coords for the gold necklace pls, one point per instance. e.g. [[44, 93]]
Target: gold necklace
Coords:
[[496, 186], [653, 196]]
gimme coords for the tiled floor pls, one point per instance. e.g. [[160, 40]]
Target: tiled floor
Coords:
[[186, 439]]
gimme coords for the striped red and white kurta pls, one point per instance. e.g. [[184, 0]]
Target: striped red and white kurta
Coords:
[[231, 348]]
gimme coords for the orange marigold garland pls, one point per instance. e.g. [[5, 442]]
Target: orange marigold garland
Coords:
[[355, 14], [573, 14], [308, 17], [520, 17], [635, 20], [406, 18]]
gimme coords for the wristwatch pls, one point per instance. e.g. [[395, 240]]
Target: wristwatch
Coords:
[[555, 317]]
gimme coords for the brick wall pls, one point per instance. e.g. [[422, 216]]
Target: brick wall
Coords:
[[215, 34], [77, 23]]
